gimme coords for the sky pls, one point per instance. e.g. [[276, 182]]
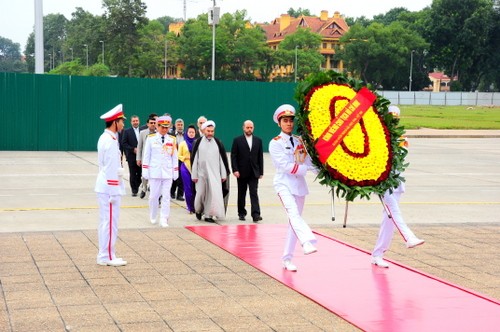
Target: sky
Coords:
[[17, 16]]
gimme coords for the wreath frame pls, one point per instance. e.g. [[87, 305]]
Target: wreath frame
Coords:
[[395, 130]]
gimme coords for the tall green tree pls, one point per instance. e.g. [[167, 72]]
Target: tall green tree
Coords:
[[381, 55], [84, 28], [460, 33], [124, 19], [305, 45], [54, 35], [151, 51], [298, 12], [10, 56], [195, 48]]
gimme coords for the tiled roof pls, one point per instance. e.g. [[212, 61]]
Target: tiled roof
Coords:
[[331, 27]]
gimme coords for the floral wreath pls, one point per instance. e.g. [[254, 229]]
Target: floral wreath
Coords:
[[351, 137]]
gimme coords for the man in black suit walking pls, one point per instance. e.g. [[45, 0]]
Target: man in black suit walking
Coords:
[[129, 142], [247, 161]]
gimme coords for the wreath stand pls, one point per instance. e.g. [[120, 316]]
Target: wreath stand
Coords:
[[347, 208]]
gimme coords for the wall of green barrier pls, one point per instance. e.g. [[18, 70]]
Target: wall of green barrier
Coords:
[[61, 113]]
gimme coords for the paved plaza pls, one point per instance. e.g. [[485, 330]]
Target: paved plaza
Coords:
[[176, 281]]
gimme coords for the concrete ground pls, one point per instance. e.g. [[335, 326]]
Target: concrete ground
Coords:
[[176, 281]]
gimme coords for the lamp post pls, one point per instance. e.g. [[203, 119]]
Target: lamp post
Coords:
[[71, 49], [102, 42], [296, 63], [166, 46], [411, 68], [213, 17], [50, 61], [87, 51]]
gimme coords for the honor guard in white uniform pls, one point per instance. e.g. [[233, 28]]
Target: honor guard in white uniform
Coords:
[[160, 166], [109, 187], [292, 162], [396, 221]]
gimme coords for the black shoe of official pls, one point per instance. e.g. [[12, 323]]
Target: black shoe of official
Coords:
[[209, 219], [172, 196], [198, 216], [142, 195], [242, 218], [134, 194], [256, 219], [180, 198]]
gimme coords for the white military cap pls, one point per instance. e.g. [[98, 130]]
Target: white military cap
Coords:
[[113, 114], [283, 110], [164, 121], [394, 110], [207, 124]]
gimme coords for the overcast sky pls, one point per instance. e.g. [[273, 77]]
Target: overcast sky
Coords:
[[17, 16]]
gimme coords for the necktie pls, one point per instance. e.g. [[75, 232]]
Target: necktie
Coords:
[[162, 139], [291, 141]]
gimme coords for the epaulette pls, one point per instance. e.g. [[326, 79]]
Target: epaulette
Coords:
[[149, 135], [277, 138], [173, 137]]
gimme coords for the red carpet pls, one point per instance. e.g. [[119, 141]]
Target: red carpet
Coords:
[[340, 278]]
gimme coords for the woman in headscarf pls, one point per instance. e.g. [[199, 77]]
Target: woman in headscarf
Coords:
[[184, 155]]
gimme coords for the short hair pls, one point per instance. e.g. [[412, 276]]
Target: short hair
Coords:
[[201, 117], [152, 115], [179, 120]]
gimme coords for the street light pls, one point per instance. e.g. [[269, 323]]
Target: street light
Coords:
[[213, 17], [296, 64], [411, 68], [166, 58], [87, 50], [71, 49], [102, 42]]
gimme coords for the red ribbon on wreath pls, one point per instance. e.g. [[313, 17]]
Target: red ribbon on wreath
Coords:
[[343, 123]]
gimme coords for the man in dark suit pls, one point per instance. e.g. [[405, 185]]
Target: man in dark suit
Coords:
[[247, 161], [129, 143]]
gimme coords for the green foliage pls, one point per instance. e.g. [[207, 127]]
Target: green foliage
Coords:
[[308, 57], [461, 43], [97, 69], [74, 68], [381, 55], [381, 106], [10, 56], [124, 19], [298, 12]]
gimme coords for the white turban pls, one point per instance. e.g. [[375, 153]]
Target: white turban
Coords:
[[207, 124]]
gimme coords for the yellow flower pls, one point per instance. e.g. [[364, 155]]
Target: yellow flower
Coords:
[[364, 156]]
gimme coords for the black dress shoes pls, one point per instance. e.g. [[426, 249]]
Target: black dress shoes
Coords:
[[198, 216], [209, 219], [242, 218], [143, 193], [256, 219], [180, 198]]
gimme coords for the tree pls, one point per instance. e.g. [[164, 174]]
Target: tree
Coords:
[[10, 57], [54, 35], [298, 12], [460, 43], [124, 19], [74, 68], [195, 45], [393, 15], [381, 55], [305, 44], [84, 28], [151, 50]]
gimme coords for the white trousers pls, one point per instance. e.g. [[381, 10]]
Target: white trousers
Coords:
[[388, 225], [107, 230], [298, 229], [157, 188]]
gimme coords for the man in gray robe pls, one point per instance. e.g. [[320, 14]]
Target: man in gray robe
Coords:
[[209, 172]]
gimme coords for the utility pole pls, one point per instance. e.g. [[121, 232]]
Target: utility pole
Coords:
[[411, 68], [39, 49]]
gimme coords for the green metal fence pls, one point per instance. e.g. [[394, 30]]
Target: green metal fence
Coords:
[[61, 113]]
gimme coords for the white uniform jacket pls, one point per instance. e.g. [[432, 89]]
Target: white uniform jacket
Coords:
[[109, 179], [160, 160], [291, 163]]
